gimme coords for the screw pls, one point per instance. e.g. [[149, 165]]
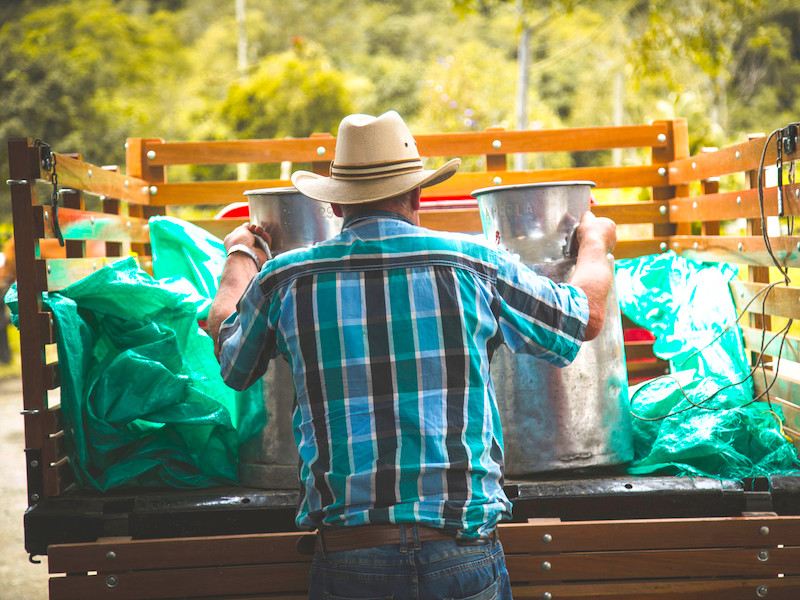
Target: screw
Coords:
[[153, 190], [497, 181], [694, 165], [797, 193], [695, 245], [497, 144], [111, 555], [151, 154], [798, 246], [144, 189], [741, 247], [320, 150], [112, 581], [662, 138], [762, 591], [127, 183], [694, 204], [34, 463], [663, 246], [46, 216], [765, 530], [48, 269], [91, 220], [738, 199], [547, 596], [763, 555], [738, 154], [662, 171], [546, 566], [662, 209], [35, 497], [128, 224], [90, 173], [547, 538], [126, 145]]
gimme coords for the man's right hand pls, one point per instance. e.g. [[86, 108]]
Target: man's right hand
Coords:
[[596, 230]]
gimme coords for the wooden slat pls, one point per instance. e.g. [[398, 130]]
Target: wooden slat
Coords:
[[655, 564], [647, 369], [785, 387], [747, 250], [787, 588], [636, 248], [84, 225], [753, 339], [633, 212], [780, 301], [176, 553], [639, 350], [650, 534], [742, 204], [74, 173], [451, 144], [62, 272], [732, 159], [184, 583]]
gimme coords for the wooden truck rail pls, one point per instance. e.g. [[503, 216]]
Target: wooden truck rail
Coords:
[[610, 535]]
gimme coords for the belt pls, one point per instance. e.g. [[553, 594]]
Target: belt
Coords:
[[369, 536]]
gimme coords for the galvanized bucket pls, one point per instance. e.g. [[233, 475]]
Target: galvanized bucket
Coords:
[[293, 220], [556, 418]]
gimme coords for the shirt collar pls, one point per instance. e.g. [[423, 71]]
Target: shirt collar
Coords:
[[373, 214]]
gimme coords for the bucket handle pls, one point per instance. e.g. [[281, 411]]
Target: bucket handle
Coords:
[[571, 247]]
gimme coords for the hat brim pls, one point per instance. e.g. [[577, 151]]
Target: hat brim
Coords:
[[341, 191]]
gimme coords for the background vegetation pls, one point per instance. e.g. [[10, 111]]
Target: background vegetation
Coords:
[[86, 74]]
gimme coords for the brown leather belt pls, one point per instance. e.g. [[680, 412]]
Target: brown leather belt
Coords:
[[369, 536]]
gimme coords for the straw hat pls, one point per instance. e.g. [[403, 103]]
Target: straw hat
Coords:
[[376, 158]]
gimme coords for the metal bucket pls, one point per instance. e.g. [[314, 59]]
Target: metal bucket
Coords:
[[556, 418], [293, 220]]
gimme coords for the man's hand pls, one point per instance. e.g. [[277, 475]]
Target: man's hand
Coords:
[[596, 236], [246, 234]]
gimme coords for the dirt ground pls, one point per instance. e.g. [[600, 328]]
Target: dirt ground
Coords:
[[19, 579]]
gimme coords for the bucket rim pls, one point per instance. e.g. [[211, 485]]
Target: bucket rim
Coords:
[[268, 191], [539, 184]]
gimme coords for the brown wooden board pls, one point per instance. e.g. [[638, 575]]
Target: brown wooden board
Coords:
[[746, 250], [62, 272], [84, 225], [780, 300], [74, 173], [741, 204], [788, 347]]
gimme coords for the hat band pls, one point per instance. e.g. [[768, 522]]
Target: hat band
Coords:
[[375, 171]]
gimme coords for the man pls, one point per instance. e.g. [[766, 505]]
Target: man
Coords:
[[389, 329]]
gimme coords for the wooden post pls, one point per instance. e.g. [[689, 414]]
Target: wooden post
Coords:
[[676, 147], [709, 186], [756, 274], [323, 167], [138, 165], [496, 162]]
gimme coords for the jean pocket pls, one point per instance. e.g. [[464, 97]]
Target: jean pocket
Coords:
[[490, 593]]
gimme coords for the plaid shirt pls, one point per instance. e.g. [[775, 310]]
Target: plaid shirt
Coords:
[[389, 329]]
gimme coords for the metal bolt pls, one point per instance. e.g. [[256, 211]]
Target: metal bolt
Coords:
[[127, 183], [763, 555], [112, 581], [738, 154], [91, 220], [765, 530], [547, 538], [662, 171], [497, 181], [762, 591], [662, 209], [144, 189], [126, 145], [546, 566], [663, 246], [35, 497], [694, 204], [111, 555], [46, 216], [695, 245], [741, 247], [321, 150], [662, 138], [128, 224], [49, 269], [151, 154], [738, 199], [547, 596], [694, 165], [798, 246], [153, 190], [797, 193], [90, 173], [34, 463], [497, 144]]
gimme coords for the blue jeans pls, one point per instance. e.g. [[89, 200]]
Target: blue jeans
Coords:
[[412, 570]]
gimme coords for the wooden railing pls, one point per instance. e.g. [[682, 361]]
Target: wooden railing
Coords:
[[119, 227]]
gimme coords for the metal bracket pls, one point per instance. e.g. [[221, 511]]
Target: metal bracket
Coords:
[[35, 472]]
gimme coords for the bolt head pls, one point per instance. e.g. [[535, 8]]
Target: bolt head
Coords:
[[694, 165], [35, 497], [546, 566], [321, 150], [763, 555], [694, 204], [34, 463], [111, 555], [547, 596], [738, 155], [112, 581], [663, 246], [497, 181], [662, 171], [547, 538], [151, 154], [662, 138], [90, 173], [496, 144], [797, 193], [765, 530], [662, 209], [741, 247], [153, 190], [762, 591], [127, 183], [738, 199]]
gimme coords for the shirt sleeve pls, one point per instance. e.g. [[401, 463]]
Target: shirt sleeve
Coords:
[[540, 317], [247, 339]]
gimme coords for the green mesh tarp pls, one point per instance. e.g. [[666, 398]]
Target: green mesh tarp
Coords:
[[142, 398], [711, 427]]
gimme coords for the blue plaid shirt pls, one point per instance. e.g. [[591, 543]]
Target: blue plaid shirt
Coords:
[[389, 329]]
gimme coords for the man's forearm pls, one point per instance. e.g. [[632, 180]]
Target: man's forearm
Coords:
[[237, 273], [594, 276]]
